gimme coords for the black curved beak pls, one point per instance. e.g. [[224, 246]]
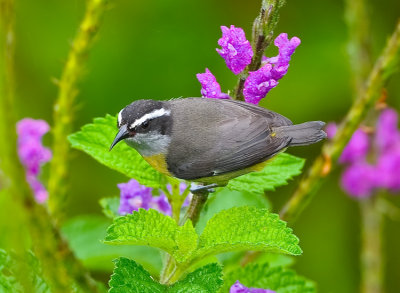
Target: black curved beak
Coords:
[[122, 134]]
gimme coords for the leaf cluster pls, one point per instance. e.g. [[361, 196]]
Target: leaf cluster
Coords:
[[239, 228]]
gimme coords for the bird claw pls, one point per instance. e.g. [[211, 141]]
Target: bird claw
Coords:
[[204, 188]]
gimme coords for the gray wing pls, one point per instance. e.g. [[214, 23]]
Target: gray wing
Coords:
[[213, 137]]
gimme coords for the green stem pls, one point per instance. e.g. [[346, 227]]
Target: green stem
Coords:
[[359, 50], [263, 33], [196, 205], [7, 85], [383, 69], [358, 46], [170, 270], [53, 252], [372, 271], [64, 107]]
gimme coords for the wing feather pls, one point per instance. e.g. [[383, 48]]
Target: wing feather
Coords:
[[229, 136]]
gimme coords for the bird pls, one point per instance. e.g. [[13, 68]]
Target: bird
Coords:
[[209, 141]]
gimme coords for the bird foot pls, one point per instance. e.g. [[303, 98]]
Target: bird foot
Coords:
[[204, 188]]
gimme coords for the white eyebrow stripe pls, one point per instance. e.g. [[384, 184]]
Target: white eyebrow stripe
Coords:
[[120, 117], [155, 114]]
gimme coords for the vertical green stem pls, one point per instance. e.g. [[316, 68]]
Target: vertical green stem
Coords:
[[358, 45], [64, 107], [383, 69], [372, 259], [62, 270], [359, 50], [9, 146], [193, 213]]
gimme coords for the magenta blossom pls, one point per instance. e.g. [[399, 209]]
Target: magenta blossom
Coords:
[[331, 129], [134, 196], [240, 288], [357, 147], [260, 82], [236, 49], [359, 179], [210, 88], [388, 170], [387, 134], [286, 49], [362, 178], [32, 153], [237, 52]]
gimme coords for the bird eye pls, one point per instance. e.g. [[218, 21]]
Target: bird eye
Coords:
[[145, 124]]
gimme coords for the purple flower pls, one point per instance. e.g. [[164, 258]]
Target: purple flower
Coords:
[[40, 192], [356, 149], [286, 49], [32, 153], [260, 82], [359, 179], [388, 169], [240, 288], [161, 204], [210, 88], [134, 196], [236, 49], [331, 129], [387, 134]]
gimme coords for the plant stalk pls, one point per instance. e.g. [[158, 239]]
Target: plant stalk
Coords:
[[64, 108], [193, 213], [61, 268], [384, 68], [372, 270], [358, 45]]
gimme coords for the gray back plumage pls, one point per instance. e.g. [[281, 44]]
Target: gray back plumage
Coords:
[[212, 137]]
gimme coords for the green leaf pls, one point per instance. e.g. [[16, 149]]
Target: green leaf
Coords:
[[226, 199], [277, 172], [95, 139], [278, 279], [8, 282], [110, 206], [150, 227], [19, 272], [186, 241], [130, 277], [207, 279], [85, 234], [246, 228]]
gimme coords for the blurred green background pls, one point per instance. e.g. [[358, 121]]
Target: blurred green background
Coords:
[[153, 49]]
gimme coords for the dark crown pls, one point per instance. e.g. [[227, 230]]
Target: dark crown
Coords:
[[146, 116]]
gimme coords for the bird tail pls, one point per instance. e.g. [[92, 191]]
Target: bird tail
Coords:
[[302, 134]]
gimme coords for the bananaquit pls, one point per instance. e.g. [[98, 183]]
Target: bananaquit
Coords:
[[209, 141]]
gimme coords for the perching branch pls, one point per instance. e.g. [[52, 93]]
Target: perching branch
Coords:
[[263, 33], [384, 68], [64, 107]]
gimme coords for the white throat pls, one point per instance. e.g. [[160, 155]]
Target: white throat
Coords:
[[149, 144]]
